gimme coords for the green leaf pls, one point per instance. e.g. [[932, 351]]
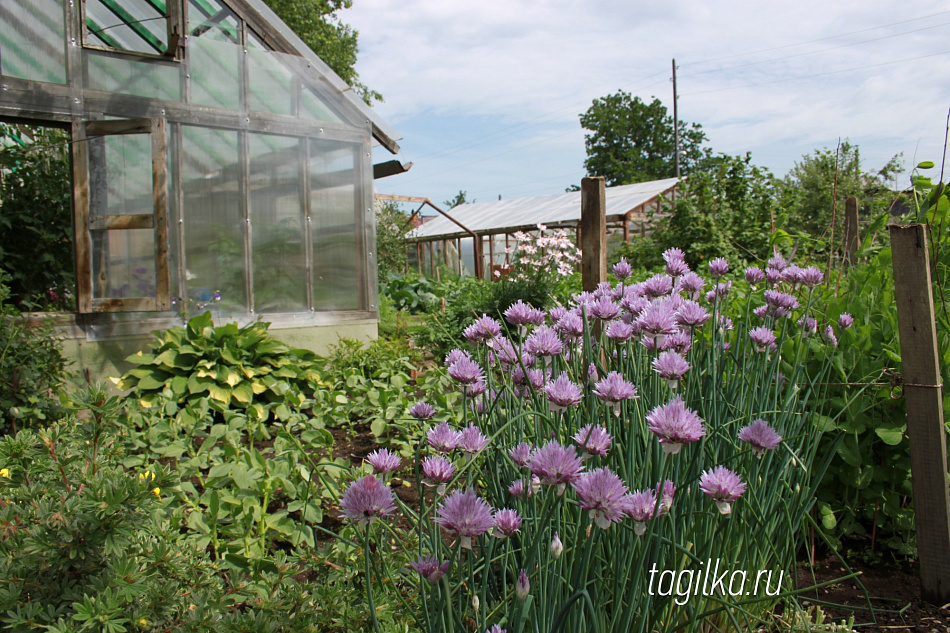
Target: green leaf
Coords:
[[890, 436], [378, 427], [243, 393], [927, 164]]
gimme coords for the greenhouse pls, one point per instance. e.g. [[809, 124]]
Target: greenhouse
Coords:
[[483, 232], [217, 163]]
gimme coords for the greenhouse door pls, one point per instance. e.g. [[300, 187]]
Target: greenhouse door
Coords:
[[121, 215]]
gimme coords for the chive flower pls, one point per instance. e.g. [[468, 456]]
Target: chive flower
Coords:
[[482, 330], [522, 488], [562, 393], [723, 486], [430, 568], [384, 461], [614, 389], [437, 470], [761, 436], [691, 314], [640, 507], [718, 267], [845, 321], [570, 326], [466, 515], [622, 269], [604, 309], [619, 332], [466, 371], [521, 314], [675, 425], [543, 342], [443, 438], [666, 491], [763, 338], [810, 276], [556, 548], [521, 453], [829, 334], [421, 411], [671, 367], [658, 285], [472, 440], [522, 586], [456, 355], [367, 499], [507, 523], [603, 494], [754, 275], [555, 465], [593, 440]]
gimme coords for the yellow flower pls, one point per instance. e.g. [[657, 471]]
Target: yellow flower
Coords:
[[5, 472], [147, 474], [143, 622], [158, 492]]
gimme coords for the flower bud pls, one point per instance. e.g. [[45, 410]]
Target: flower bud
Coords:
[[475, 601], [522, 587], [557, 547]]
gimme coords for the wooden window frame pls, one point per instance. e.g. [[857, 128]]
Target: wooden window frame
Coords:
[[175, 21], [82, 131]]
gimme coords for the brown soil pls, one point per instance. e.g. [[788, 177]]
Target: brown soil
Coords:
[[882, 599]]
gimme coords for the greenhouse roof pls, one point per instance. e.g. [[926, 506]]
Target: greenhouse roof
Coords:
[[507, 216]]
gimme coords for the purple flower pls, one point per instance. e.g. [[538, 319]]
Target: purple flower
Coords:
[[367, 499], [437, 470], [792, 274], [466, 515], [517, 487], [718, 267], [754, 275], [562, 393], [614, 389], [484, 329], [421, 411], [555, 464], [619, 332], [504, 352], [671, 367], [778, 299], [522, 586], [845, 321], [809, 325], [496, 628], [830, 336], [680, 342], [593, 440], [761, 436], [633, 304], [691, 314], [675, 262], [640, 508], [522, 315], [622, 269], [811, 276], [466, 371], [673, 254], [456, 355], [723, 485], [555, 314], [778, 262], [657, 286], [521, 453], [761, 312], [384, 460], [543, 342], [570, 326], [763, 338], [666, 497], [603, 493], [657, 320], [675, 425], [430, 568], [472, 440], [604, 309], [773, 276], [507, 523], [443, 438], [691, 283]]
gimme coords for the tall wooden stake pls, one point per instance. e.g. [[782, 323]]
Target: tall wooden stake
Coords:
[[593, 232], [924, 396], [852, 231], [676, 127]]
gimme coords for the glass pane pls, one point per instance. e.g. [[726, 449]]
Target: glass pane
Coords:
[[33, 40], [214, 224], [123, 263], [120, 175], [277, 224], [336, 256], [270, 83], [139, 77], [128, 25]]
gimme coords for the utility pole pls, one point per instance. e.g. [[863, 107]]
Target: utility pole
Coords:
[[676, 127]]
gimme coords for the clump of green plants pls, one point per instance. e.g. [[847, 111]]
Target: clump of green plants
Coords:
[[32, 368], [232, 367]]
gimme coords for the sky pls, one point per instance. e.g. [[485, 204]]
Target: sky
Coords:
[[487, 95]]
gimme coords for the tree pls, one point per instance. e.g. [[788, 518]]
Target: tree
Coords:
[[391, 227], [633, 141], [460, 198], [316, 22], [819, 184]]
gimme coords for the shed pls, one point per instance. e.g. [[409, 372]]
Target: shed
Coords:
[[218, 164], [482, 232]]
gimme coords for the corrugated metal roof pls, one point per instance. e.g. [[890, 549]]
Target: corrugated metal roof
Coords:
[[521, 213]]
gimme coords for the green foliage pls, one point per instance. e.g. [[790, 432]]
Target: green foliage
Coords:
[[232, 367], [722, 210], [460, 198], [391, 227], [32, 369], [410, 292], [318, 24], [632, 141], [36, 243]]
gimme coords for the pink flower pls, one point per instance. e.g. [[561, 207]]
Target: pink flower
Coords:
[[675, 425], [604, 494], [367, 499], [761, 436], [723, 485], [466, 515]]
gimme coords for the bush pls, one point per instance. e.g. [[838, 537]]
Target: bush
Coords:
[[32, 369]]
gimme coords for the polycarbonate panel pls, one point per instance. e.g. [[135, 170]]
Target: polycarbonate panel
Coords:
[[33, 40], [278, 220], [139, 77], [128, 25], [120, 175], [210, 19], [215, 70], [336, 252], [312, 106], [270, 83], [123, 264], [214, 224]]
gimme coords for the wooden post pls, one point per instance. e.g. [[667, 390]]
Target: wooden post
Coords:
[[852, 232], [593, 232], [626, 228], [924, 396]]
